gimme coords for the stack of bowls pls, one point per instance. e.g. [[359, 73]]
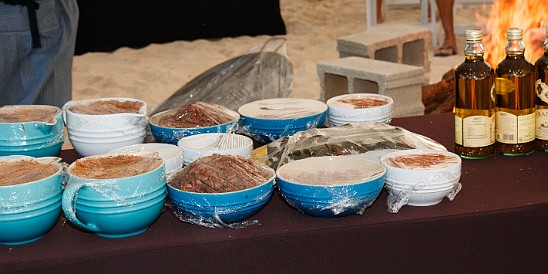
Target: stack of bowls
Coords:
[[270, 119], [172, 135], [32, 138], [331, 186], [29, 210], [422, 177], [197, 146], [115, 207], [92, 134], [171, 154], [357, 108]]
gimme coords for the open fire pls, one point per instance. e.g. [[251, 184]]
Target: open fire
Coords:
[[529, 15]]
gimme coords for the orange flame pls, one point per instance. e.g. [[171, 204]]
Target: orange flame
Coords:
[[529, 15]]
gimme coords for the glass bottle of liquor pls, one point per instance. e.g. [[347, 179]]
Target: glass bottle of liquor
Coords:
[[474, 102], [541, 68], [515, 89]]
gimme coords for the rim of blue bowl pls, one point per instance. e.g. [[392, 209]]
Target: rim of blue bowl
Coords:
[[153, 120], [33, 182], [56, 119], [297, 162], [319, 112], [271, 179]]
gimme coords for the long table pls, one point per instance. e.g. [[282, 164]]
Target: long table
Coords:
[[497, 223]]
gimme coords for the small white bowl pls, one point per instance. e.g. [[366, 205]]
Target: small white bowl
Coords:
[[421, 177], [172, 154], [93, 146], [356, 108], [417, 198], [201, 145]]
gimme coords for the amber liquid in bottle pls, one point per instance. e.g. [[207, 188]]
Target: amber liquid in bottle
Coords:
[[474, 102], [541, 88], [515, 89]]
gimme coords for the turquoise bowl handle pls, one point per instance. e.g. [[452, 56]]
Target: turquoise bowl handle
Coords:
[[68, 205]]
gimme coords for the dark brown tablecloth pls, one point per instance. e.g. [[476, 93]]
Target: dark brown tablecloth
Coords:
[[497, 223]]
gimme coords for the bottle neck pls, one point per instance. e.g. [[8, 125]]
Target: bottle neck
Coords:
[[474, 50], [515, 48]]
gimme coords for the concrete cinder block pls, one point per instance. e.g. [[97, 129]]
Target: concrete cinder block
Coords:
[[363, 75], [403, 44]]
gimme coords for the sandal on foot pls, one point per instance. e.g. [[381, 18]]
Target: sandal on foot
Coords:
[[445, 51]]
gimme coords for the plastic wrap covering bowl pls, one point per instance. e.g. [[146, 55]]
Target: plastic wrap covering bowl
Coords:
[[225, 207], [32, 130], [116, 207], [29, 210], [357, 108], [421, 177], [97, 126], [172, 135], [197, 146], [172, 154], [331, 186], [270, 119]]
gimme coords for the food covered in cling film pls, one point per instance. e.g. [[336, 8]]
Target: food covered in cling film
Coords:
[[198, 114], [219, 174], [375, 139]]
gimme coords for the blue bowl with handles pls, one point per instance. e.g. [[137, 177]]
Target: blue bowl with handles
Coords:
[[227, 207], [331, 186], [172, 135], [29, 210], [113, 208], [32, 138]]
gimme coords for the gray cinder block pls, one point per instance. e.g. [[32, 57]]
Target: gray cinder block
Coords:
[[403, 44], [363, 75]]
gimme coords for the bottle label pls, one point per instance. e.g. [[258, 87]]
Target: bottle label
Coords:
[[542, 124], [475, 131], [542, 90], [512, 129]]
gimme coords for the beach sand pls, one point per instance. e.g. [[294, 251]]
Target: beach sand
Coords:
[[153, 73]]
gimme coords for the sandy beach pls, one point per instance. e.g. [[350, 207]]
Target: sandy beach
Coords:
[[153, 73]]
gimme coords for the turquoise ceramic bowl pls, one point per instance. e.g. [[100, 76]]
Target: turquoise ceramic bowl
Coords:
[[28, 211], [268, 120], [29, 226], [121, 221], [113, 207], [331, 186], [225, 207], [36, 139], [173, 135]]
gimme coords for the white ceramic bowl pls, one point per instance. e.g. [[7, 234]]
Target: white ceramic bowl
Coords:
[[116, 122], [418, 198], [423, 176], [359, 108], [172, 154], [93, 146], [201, 145]]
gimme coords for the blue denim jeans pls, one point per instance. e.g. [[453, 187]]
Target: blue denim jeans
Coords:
[[37, 76]]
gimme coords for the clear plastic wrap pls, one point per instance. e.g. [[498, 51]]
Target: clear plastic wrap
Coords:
[[115, 195], [265, 72], [370, 140], [331, 186], [29, 183], [399, 198], [220, 191], [32, 130]]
